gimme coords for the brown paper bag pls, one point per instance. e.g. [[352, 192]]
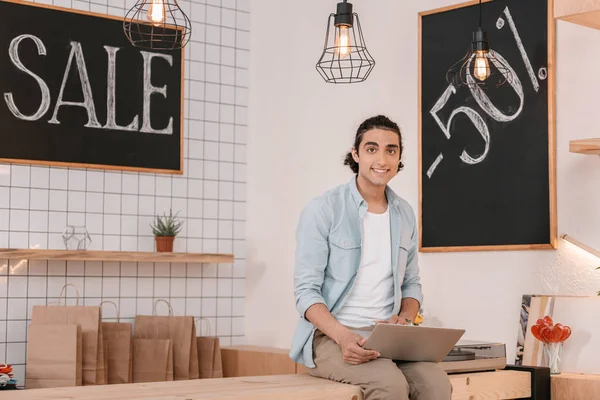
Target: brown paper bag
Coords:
[[209, 355], [88, 317], [53, 356], [194, 360], [119, 355], [152, 360], [106, 346], [170, 364], [102, 363], [181, 332], [102, 368]]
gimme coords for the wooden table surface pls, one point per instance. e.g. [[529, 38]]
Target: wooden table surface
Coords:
[[294, 386], [467, 386], [568, 386]]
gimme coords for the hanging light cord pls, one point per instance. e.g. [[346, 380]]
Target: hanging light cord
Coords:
[[480, 12]]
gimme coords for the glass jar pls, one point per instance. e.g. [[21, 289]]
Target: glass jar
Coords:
[[551, 357]]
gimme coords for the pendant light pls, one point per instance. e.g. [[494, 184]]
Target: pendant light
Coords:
[[481, 66], [345, 58], [157, 25]]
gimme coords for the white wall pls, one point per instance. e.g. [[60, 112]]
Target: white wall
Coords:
[[36, 202], [300, 128]]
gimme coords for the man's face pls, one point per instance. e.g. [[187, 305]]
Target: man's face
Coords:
[[378, 156]]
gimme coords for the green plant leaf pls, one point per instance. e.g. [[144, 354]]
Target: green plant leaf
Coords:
[[166, 225]]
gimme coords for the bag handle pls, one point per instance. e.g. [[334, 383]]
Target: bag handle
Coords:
[[64, 291], [163, 301], [200, 324], [116, 308]]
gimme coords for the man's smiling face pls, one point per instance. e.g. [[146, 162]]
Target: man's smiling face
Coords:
[[378, 156]]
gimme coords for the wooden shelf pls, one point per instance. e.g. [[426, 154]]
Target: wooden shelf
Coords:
[[585, 146], [131, 256], [580, 12]]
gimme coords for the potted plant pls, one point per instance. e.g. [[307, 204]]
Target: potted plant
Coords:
[[165, 228]]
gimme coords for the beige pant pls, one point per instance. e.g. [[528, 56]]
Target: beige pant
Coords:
[[381, 379]]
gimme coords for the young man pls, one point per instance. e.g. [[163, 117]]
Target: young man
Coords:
[[356, 266]]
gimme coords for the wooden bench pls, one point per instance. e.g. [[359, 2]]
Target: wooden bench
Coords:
[[473, 386]]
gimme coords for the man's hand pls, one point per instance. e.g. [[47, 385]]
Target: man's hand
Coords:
[[395, 319], [352, 351]]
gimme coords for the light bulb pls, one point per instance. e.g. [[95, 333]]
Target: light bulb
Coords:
[[342, 42], [156, 12], [482, 66]]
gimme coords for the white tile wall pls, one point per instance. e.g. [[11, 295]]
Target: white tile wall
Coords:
[[36, 202]]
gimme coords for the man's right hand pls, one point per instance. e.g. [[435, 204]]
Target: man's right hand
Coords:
[[352, 351], [351, 343]]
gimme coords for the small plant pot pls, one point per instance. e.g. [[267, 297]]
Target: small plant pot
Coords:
[[164, 244]]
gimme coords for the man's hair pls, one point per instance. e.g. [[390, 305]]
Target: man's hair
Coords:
[[377, 122]]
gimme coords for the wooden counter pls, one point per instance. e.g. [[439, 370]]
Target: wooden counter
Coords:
[[470, 386], [575, 386], [275, 387], [498, 385]]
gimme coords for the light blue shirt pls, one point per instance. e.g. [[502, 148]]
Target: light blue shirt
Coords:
[[328, 254]]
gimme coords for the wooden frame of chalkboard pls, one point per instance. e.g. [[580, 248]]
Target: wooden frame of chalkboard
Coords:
[[128, 132], [506, 199]]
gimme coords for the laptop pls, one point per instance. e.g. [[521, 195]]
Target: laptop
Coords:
[[412, 343]]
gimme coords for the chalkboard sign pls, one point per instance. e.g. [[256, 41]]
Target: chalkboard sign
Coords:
[[487, 177], [77, 93]]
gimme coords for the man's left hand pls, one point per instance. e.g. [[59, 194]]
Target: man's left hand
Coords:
[[395, 319]]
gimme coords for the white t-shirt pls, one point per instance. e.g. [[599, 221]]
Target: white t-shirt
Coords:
[[372, 296]]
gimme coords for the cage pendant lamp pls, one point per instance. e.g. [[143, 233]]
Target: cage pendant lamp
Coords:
[[481, 66], [157, 25], [345, 58]]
